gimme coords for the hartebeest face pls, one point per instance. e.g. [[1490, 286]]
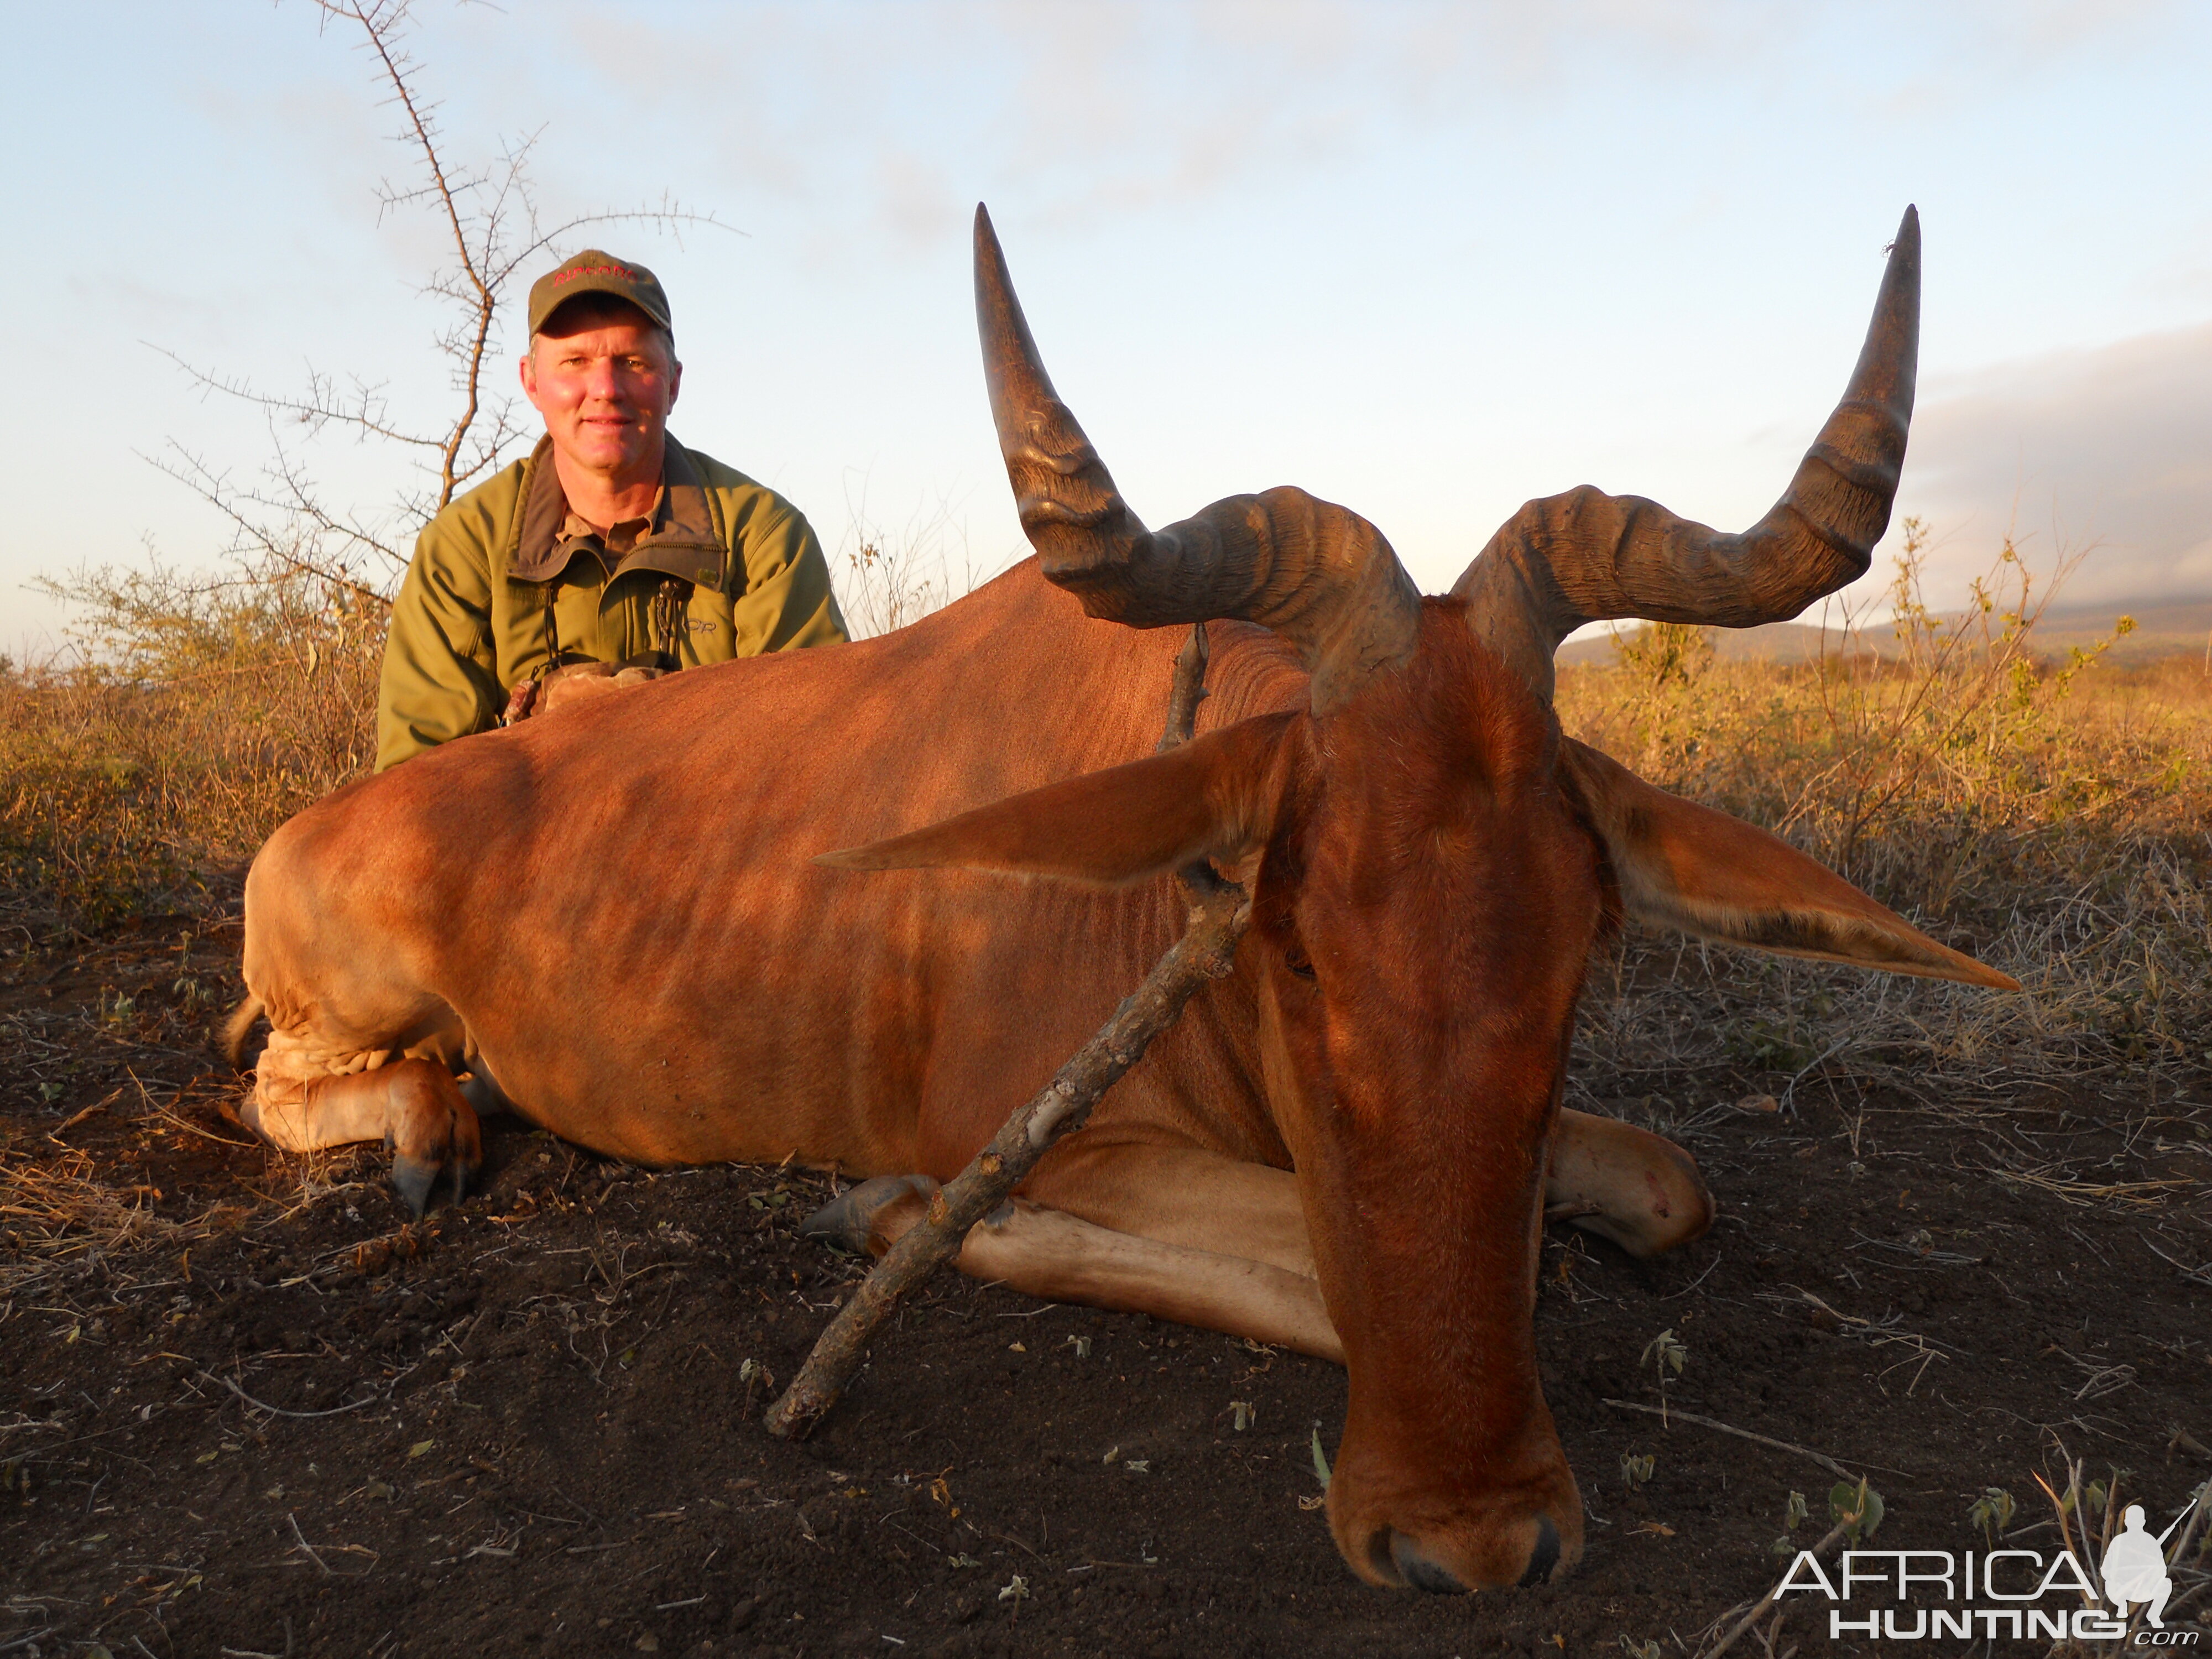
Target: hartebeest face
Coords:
[[1422, 918]]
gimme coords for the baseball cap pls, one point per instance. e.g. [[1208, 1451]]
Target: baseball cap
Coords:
[[593, 272]]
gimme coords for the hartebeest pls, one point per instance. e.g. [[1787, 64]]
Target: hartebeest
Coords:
[[614, 920]]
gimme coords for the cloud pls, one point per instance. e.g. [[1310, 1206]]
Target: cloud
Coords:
[[2103, 446], [1085, 112]]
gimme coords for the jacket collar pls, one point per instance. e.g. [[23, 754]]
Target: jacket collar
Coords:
[[680, 543]]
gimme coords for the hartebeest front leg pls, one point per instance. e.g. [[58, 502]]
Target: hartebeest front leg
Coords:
[[1622, 1182], [1203, 1239], [413, 1106], [1059, 1257]]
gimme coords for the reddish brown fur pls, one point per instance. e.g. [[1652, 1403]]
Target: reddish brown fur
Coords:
[[1447, 898]]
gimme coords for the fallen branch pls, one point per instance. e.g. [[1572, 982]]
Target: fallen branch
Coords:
[[1219, 911], [1676, 1414], [263, 1405]]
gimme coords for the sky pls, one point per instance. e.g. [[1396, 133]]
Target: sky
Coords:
[[1427, 260]]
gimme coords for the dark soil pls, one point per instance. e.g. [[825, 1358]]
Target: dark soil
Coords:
[[268, 1418]]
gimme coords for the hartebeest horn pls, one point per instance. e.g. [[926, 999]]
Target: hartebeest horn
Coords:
[[1585, 555], [1317, 574]]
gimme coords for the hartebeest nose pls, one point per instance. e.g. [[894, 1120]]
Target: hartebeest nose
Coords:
[[1415, 1567], [1545, 1556], [1419, 1569]]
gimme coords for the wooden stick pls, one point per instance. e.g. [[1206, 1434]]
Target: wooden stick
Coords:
[[1207, 950], [1821, 1458]]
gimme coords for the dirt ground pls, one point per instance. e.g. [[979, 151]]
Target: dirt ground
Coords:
[[245, 1410]]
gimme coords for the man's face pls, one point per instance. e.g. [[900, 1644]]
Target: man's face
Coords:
[[605, 391]]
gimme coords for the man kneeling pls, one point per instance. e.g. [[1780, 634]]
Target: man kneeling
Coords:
[[613, 548]]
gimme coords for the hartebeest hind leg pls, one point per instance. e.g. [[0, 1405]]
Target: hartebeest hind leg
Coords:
[[412, 1105], [1639, 1189]]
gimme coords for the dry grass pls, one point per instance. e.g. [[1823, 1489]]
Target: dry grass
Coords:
[[193, 717], [83, 1229], [2050, 817], [62, 1222], [140, 770], [136, 780]]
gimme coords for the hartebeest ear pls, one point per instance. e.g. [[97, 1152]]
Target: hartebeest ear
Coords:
[[1685, 867], [1211, 798]]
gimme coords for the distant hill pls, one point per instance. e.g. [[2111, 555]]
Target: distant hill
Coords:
[[1776, 643], [2177, 628], [2163, 628]]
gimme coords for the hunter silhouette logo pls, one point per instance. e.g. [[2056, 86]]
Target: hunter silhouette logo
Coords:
[[2134, 1566]]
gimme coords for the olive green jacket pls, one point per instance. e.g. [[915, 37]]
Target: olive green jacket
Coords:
[[495, 595]]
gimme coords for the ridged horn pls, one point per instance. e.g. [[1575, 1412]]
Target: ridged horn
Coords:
[[1584, 557], [1317, 574]]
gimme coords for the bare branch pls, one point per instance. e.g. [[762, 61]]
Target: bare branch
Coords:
[[251, 536], [317, 408], [381, 22], [475, 209]]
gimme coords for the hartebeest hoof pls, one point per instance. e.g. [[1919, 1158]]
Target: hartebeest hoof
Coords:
[[415, 1179], [412, 1105], [431, 1129], [861, 1218]]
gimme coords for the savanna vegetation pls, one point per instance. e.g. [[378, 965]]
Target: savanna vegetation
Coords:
[[2049, 814]]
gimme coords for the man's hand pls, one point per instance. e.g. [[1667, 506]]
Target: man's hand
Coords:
[[566, 687]]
